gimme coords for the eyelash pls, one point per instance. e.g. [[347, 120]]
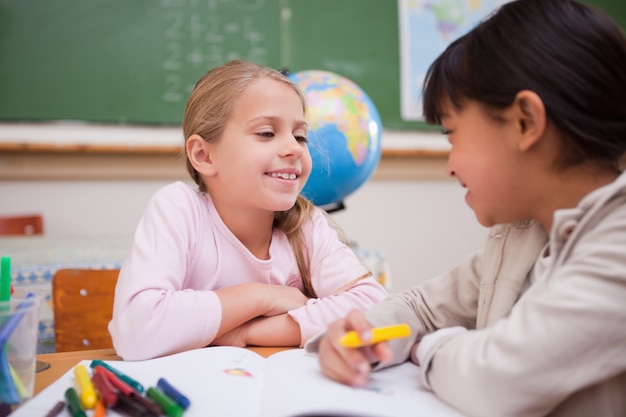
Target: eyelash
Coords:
[[446, 131], [271, 135]]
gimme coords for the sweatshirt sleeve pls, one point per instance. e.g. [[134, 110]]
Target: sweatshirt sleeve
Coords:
[[566, 333], [341, 281], [153, 313], [448, 300]]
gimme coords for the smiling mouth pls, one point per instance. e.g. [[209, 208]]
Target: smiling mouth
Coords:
[[283, 175]]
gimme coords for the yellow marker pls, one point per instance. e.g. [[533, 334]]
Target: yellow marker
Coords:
[[88, 397], [379, 334], [19, 385]]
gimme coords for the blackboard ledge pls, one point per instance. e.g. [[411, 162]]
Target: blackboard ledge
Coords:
[[83, 137]]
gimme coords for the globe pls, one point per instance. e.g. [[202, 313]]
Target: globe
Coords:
[[344, 136]]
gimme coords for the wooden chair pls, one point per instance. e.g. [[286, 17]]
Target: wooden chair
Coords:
[[82, 302], [31, 224]]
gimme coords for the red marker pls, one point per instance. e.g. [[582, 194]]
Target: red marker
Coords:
[[105, 389], [120, 385]]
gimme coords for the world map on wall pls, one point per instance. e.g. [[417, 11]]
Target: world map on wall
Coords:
[[427, 27]]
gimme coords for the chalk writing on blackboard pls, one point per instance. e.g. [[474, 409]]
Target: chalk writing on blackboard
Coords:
[[202, 35]]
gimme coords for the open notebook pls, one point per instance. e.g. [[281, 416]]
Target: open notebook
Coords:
[[237, 382]]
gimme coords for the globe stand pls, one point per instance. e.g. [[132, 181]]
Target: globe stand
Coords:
[[333, 207]]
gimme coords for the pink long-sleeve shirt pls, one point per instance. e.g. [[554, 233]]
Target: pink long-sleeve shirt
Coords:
[[165, 300]]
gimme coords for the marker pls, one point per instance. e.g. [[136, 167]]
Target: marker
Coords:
[[56, 410], [132, 408], [5, 291], [168, 405], [88, 397], [135, 384], [73, 403], [5, 279], [19, 385], [8, 390], [148, 403], [11, 323], [99, 410], [104, 388], [173, 393], [127, 391], [120, 385], [5, 410], [379, 334]]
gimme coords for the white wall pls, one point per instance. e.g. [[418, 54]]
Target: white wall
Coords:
[[409, 210], [81, 208], [422, 226]]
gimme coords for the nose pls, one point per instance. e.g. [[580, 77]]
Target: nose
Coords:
[[450, 170], [291, 147]]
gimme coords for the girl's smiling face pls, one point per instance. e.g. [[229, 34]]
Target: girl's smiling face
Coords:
[[262, 161], [486, 160]]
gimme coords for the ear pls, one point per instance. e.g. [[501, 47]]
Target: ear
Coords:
[[530, 118], [199, 154]]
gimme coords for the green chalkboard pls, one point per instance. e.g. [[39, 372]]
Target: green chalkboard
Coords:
[[355, 38], [614, 8], [135, 61], [123, 61]]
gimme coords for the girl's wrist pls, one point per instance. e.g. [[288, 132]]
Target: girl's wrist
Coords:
[[257, 297]]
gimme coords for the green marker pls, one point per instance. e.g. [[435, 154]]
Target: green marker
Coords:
[[5, 290], [128, 380], [5, 279], [169, 406], [73, 403]]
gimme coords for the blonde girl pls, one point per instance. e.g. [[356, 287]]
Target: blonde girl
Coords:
[[241, 258]]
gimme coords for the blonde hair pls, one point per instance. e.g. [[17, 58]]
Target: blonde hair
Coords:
[[207, 112]]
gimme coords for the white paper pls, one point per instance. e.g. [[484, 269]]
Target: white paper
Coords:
[[237, 382]]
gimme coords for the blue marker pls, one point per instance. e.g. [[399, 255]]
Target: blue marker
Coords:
[[173, 393], [8, 390], [11, 323]]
